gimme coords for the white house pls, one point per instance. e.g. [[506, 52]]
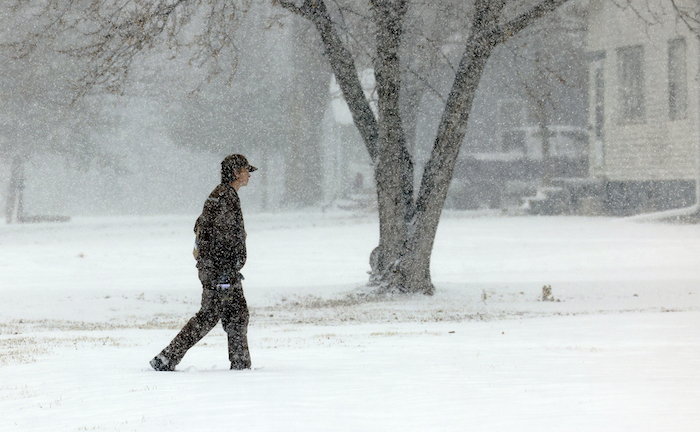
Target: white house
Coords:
[[644, 105]]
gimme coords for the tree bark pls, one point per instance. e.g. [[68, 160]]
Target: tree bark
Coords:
[[394, 167]]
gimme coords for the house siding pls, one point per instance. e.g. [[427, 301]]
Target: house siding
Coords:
[[655, 148]]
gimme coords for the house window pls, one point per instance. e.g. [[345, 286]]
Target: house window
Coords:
[[630, 73], [677, 80]]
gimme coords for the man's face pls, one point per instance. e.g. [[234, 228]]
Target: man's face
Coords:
[[243, 176]]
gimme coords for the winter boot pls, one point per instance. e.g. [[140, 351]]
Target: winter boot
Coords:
[[161, 364], [239, 366], [241, 363]]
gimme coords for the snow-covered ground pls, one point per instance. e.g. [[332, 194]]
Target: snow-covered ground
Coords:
[[85, 304]]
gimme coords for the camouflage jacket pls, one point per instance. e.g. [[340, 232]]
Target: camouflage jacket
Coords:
[[220, 248]]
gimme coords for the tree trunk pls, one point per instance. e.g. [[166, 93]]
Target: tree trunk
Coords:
[[13, 206], [547, 161], [440, 167], [306, 99], [394, 167], [544, 135]]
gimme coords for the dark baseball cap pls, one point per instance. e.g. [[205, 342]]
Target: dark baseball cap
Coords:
[[237, 161], [230, 164]]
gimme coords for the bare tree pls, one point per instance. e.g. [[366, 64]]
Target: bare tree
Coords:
[[408, 221], [113, 33]]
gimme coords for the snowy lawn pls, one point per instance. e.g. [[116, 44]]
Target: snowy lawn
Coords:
[[87, 303]]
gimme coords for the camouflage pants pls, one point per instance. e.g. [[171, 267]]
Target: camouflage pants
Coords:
[[225, 305]]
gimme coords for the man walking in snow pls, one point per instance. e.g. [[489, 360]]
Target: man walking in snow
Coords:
[[220, 251]]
